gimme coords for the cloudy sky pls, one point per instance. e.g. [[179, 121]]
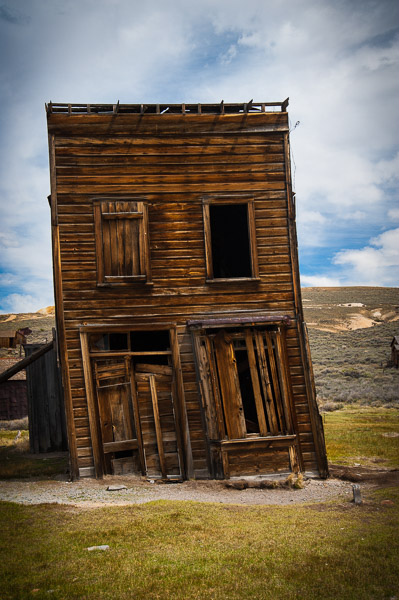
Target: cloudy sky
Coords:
[[337, 60]]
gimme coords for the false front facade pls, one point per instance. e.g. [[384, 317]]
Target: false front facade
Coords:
[[181, 336]]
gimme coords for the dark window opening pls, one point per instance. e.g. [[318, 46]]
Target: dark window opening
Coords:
[[231, 253], [117, 341], [123, 454], [247, 393], [108, 341], [147, 341]]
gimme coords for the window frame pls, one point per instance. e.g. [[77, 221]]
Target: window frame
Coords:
[[141, 214], [265, 343], [253, 253]]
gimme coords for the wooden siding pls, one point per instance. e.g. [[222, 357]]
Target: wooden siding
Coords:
[[47, 427], [173, 162]]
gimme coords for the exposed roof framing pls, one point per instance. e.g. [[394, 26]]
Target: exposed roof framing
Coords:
[[159, 109]]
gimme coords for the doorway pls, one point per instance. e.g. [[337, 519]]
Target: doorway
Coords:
[[247, 400], [135, 403]]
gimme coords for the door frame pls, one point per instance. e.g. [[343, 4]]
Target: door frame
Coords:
[[125, 365], [219, 443], [181, 420]]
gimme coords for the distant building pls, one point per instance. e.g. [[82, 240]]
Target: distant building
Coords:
[[395, 351], [10, 338], [13, 397]]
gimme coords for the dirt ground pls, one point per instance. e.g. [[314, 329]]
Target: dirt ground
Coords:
[[91, 493]]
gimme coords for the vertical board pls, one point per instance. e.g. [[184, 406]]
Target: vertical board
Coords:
[[47, 428]]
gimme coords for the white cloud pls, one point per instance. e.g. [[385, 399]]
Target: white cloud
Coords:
[[311, 227], [394, 214], [337, 61], [8, 239], [24, 303], [319, 281], [388, 170], [7, 279], [375, 264], [228, 56]]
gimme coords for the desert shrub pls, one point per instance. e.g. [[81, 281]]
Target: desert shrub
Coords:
[[351, 373], [330, 406], [17, 424], [350, 366]]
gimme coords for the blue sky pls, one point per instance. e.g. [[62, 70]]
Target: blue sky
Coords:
[[337, 60]]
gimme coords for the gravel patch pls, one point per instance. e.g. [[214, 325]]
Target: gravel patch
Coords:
[[93, 493]]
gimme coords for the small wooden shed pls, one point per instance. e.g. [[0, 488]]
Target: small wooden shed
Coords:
[[395, 351], [178, 303], [40, 397], [47, 428], [10, 338], [13, 397]]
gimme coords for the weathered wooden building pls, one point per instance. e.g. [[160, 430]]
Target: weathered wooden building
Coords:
[[395, 351], [13, 397], [11, 338], [47, 427], [178, 305]]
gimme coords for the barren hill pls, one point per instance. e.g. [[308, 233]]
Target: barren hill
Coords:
[[350, 308], [350, 331]]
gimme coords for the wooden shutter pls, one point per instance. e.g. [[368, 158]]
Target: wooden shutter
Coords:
[[122, 243], [229, 386], [224, 401]]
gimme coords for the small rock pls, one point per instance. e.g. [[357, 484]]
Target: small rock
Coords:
[[116, 488], [387, 503], [151, 481], [103, 547], [357, 498], [236, 485]]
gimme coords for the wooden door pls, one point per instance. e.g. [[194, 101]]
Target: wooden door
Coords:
[[161, 448], [120, 443]]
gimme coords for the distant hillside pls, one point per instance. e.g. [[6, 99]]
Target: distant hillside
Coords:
[[41, 323], [349, 308], [350, 331]]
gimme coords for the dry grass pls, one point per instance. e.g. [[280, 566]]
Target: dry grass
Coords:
[[16, 461], [351, 366], [196, 551], [15, 425], [187, 551], [365, 436]]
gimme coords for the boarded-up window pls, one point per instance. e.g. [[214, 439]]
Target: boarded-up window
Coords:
[[229, 227], [122, 242], [245, 373]]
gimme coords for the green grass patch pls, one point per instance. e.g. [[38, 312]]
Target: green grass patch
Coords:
[[186, 550], [363, 435], [16, 461]]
